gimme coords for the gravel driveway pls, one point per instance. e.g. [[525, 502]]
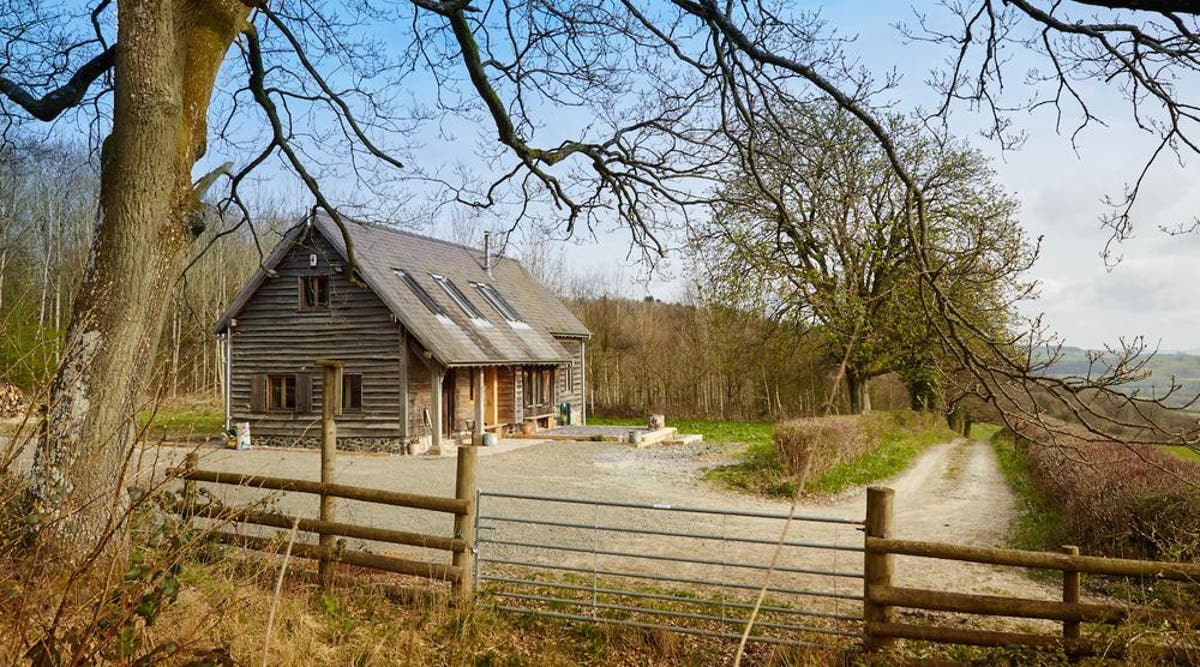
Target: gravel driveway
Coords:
[[953, 492]]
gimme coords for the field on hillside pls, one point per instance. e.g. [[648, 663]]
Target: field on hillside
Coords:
[[1163, 367]]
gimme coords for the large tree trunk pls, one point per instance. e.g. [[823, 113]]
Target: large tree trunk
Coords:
[[857, 386], [168, 54]]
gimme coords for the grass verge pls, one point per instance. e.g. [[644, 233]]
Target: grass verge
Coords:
[[760, 470], [750, 434], [185, 420], [1037, 527], [896, 448]]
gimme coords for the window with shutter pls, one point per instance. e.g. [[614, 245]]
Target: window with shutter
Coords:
[[281, 393], [352, 392], [314, 292]]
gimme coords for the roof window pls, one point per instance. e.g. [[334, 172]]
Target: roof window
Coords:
[[458, 297], [433, 306], [502, 306]]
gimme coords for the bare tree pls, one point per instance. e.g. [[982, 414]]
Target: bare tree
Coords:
[[666, 90]]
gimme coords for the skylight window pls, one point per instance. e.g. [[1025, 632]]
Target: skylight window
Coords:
[[458, 297], [502, 306], [433, 306]]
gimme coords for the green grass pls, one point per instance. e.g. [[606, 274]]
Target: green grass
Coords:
[[753, 434], [984, 430], [1037, 528], [896, 449], [1185, 453], [184, 423], [760, 471]]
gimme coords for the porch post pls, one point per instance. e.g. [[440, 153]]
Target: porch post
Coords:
[[583, 395], [436, 375], [479, 405]]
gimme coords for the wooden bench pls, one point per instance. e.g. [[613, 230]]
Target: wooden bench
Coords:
[[541, 420]]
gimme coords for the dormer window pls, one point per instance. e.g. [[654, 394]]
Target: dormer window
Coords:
[[458, 297], [425, 298], [314, 292], [502, 306]]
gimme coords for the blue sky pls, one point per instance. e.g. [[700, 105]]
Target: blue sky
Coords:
[[1061, 188], [1151, 292]]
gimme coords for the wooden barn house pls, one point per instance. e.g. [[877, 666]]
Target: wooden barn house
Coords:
[[436, 338]]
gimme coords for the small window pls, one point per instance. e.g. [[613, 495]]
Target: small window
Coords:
[[351, 392], [281, 393], [425, 298], [502, 306], [458, 297], [314, 292]]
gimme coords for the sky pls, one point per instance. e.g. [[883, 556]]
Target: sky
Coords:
[[1151, 292]]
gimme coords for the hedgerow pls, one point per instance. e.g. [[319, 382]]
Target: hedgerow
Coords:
[[1120, 500]]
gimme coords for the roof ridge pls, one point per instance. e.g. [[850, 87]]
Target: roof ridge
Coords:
[[383, 227]]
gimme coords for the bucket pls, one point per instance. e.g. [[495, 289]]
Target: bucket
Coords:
[[243, 436], [489, 440], [633, 437]]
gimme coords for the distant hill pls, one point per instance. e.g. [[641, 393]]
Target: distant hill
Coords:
[[1184, 367]]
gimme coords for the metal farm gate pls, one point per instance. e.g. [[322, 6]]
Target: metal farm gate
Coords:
[[685, 569]]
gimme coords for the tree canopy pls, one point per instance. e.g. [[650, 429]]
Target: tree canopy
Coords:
[[814, 226]]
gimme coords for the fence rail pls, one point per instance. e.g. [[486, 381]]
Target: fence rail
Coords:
[[881, 598], [459, 506], [329, 551]]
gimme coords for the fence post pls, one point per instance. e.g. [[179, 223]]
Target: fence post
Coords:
[[1071, 581], [331, 383], [464, 524], [190, 463], [877, 567]]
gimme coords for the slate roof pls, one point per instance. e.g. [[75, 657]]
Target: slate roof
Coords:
[[454, 339]]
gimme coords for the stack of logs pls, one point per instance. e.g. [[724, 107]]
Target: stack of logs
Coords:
[[12, 403]]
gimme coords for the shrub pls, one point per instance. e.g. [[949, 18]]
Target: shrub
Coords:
[[823, 443], [811, 447], [1133, 501]]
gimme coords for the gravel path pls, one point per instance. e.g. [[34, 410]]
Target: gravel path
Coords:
[[953, 492]]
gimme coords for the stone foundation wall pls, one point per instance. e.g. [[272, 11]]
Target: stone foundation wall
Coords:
[[389, 445]]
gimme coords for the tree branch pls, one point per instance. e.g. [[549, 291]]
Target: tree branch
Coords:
[[53, 103]]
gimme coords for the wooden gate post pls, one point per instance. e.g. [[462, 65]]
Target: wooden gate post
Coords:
[[877, 567], [464, 524], [190, 463], [1070, 582], [331, 386]]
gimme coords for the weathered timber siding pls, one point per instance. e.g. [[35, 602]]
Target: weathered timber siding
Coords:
[[504, 388], [273, 336], [464, 402], [569, 378], [419, 396]]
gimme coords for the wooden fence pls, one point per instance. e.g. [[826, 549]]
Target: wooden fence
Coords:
[[330, 550], [882, 598]]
